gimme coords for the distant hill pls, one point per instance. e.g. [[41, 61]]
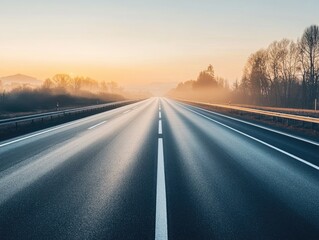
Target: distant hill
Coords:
[[20, 80]]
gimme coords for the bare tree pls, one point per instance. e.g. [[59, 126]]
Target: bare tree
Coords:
[[90, 84], [289, 71], [309, 56], [103, 86], [76, 83], [285, 74], [244, 86], [62, 80], [275, 52], [283, 66], [47, 84], [257, 76]]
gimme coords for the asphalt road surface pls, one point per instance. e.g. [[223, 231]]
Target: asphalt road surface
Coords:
[[159, 169]]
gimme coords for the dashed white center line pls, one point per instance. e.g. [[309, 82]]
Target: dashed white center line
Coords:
[[161, 232], [97, 125], [161, 208], [160, 127]]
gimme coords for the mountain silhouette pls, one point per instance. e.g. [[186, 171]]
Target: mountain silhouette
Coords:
[[20, 79]]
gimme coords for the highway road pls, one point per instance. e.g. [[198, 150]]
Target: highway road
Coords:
[[159, 169]]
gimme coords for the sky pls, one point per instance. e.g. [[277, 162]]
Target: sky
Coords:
[[143, 44]]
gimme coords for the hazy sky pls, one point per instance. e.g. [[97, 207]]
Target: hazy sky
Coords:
[[143, 42]]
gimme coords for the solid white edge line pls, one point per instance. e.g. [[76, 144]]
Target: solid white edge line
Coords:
[[96, 125], [258, 140], [161, 232], [259, 126], [160, 131], [40, 133], [47, 131]]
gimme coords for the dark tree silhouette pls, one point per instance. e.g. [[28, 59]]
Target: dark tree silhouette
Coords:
[[309, 54]]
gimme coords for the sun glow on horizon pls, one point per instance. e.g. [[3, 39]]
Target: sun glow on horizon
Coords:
[[142, 42]]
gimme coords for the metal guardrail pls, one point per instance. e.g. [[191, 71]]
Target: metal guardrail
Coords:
[[270, 113], [273, 115], [53, 114]]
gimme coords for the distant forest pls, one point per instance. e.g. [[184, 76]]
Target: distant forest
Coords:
[[207, 87], [285, 74], [63, 91]]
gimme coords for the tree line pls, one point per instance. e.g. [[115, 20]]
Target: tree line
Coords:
[[60, 91], [285, 74], [63, 90], [207, 87], [86, 86], [65, 82]]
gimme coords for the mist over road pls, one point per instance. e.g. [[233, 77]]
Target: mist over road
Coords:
[[159, 169]]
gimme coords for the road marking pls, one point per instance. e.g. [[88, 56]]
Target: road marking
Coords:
[[159, 115], [161, 232], [160, 127], [49, 130], [96, 125], [258, 140], [259, 126]]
